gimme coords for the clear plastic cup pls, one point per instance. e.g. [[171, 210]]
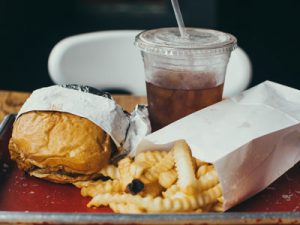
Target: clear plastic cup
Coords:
[[183, 75]]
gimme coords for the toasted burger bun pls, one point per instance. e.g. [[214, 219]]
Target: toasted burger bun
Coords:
[[58, 146]]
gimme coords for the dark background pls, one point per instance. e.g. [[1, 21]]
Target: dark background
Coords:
[[267, 30]]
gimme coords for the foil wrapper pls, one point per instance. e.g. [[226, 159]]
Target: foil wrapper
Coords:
[[125, 129], [138, 129]]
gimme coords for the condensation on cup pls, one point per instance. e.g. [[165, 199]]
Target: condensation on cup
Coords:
[[183, 75]]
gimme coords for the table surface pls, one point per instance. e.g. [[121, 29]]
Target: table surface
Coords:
[[11, 101]]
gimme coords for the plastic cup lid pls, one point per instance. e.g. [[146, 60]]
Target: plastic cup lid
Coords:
[[168, 42]]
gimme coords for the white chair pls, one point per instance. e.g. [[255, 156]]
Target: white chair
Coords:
[[109, 60]]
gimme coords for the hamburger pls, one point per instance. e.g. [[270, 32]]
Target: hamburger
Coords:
[[59, 146], [69, 133]]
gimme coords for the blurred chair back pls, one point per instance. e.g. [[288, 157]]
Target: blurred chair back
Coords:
[[109, 60]]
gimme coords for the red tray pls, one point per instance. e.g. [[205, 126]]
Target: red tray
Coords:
[[22, 193]]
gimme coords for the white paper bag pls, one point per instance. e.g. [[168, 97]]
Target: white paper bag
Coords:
[[252, 139]]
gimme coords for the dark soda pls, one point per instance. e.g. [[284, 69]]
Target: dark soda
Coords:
[[167, 105]]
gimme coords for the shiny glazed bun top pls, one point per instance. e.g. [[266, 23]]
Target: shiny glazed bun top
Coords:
[[58, 146]]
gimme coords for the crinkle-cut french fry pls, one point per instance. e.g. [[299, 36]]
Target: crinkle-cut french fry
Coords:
[[194, 164], [221, 199], [174, 192], [150, 204], [203, 200], [137, 169], [125, 208], [207, 180], [171, 191], [199, 162], [198, 210], [203, 169], [108, 198], [184, 166], [218, 207], [110, 171], [124, 170], [98, 187], [165, 164], [209, 196], [152, 189], [81, 184], [146, 164], [150, 157], [168, 178]]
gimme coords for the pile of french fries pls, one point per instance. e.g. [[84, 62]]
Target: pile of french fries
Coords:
[[157, 181]]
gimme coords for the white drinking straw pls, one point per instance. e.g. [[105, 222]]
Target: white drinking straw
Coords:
[[179, 19]]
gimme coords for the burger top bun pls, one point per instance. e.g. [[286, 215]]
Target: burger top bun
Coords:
[[58, 146]]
